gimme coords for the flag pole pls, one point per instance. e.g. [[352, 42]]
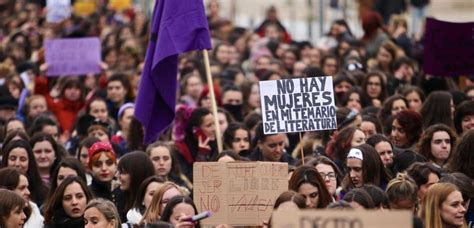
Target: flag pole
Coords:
[[210, 84]]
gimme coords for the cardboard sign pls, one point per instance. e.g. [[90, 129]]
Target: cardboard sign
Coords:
[[238, 193], [449, 48], [73, 56], [297, 105], [120, 5], [342, 218], [84, 7], [58, 10]]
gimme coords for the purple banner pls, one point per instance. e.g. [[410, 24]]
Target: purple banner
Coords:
[[449, 48], [72, 56]]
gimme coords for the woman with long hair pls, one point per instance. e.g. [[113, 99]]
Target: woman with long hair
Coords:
[[415, 97], [342, 142], [329, 172], [145, 194], [237, 138], [406, 130], [375, 87], [307, 181], [392, 105], [438, 108], [166, 164], [270, 147], [356, 99], [364, 166], [101, 213], [47, 154], [119, 92], [130, 177], [154, 212], [443, 207], [384, 148], [436, 144], [18, 154], [462, 159], [199, 140], [178, 211], [65, 208], [67, 167]]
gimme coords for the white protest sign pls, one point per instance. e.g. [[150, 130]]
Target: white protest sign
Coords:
[[58, 10], [297, 105]]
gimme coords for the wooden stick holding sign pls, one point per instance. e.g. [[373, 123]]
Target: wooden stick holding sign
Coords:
[[302, 149], [210, 83]]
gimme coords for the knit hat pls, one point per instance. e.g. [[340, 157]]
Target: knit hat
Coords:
[[100, 147]]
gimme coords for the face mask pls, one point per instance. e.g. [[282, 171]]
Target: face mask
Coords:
[[244, 153], [235, 111], [340, 96]]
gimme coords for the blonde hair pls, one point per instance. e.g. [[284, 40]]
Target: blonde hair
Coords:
[[402, 187], [35, 97], [153, 212], [108, 209], [430, 211], [399, 20]]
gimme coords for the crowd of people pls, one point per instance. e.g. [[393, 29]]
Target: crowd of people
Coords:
[[72, 152]]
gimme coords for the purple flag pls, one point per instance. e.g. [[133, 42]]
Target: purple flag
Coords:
[[178, 26], [449, 48]]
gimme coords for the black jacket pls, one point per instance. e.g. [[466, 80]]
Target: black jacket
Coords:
[[62, 220], [101, 189], [258, 156]]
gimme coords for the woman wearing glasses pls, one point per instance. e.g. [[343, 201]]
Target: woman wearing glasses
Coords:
[[329, 172]]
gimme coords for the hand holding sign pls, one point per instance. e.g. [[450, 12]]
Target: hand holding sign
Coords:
[[185, 221]]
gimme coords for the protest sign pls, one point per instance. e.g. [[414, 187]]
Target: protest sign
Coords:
[[72, 56], [448, 48], [120, 5], [84, 7], [341, 218], [238, 193], [58, 10], [297, 105]]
